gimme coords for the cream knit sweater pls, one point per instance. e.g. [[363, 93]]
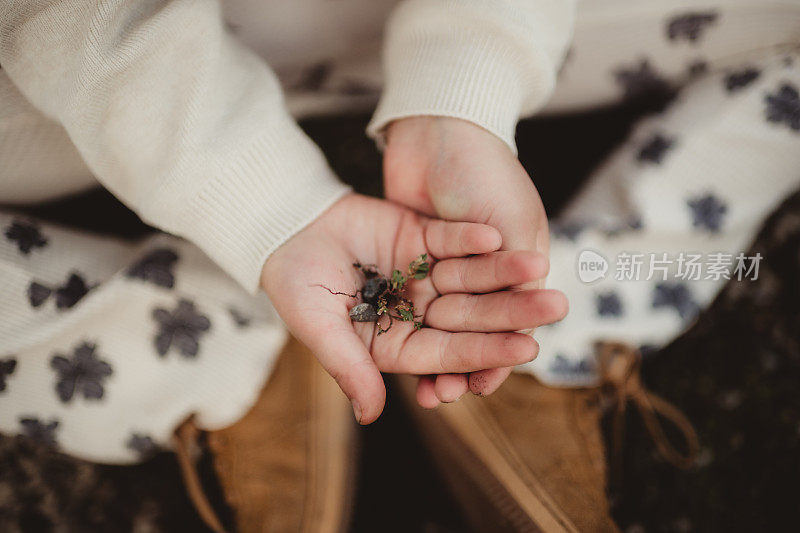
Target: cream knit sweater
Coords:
[[188, 127]]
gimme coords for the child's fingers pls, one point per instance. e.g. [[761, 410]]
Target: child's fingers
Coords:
[[456, 239], [431, 351], [496, 311], [488, 272], [345, 357], [487, 381], [450, 387], [426, 395]]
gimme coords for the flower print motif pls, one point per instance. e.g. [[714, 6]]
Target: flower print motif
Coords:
[[36, 430], [27, 236], [67, 295], [7, 367], [655, 148], [741, 78], [562, 365], [142, 445], [156, 267], [784, 106], [239, 319], [71, 292], [678, 297], [180, 328], [38, 293], [609, 304], [697, 68], [569, 230], [707, 212], [635, 223], [641, 80], [83, 373], [690, 26]]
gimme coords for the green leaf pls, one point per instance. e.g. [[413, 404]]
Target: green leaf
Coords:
[[397, 276], [407, 315]]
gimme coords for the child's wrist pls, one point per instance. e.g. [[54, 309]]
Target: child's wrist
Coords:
[[447, 130]]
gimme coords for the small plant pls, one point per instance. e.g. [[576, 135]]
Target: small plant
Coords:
[[385, 296]]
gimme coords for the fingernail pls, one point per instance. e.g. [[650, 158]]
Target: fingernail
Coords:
[[357, 411]]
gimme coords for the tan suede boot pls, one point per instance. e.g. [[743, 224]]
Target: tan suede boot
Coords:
[[526, 458], [531, 457], [289, 464]]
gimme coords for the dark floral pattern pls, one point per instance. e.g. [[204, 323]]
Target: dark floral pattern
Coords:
[[690, 26], [38, 293], [676, 296], [67, 295], [82, 374], [655, 148], [42, 432], [561, 365], [708, 212], [783, 106], [156, 267], [609, 304], [27, 235], [71, 292], [570, 230], [143, 445], [7, 367], [641, 80], [181, 329], [697, 68], [741, 78], [239, 319]]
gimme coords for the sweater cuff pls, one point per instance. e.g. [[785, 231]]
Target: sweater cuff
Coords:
[[461, 73], [274, 188]]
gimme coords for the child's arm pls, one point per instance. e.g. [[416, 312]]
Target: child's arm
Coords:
[[189, 129], [484, 61], [177, 119], [459, 75]]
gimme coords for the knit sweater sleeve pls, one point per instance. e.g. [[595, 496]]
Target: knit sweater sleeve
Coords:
[[485, 61], [175, 117]]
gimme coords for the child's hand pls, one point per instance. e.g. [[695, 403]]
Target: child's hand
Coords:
[[455, 170], [465, 333]]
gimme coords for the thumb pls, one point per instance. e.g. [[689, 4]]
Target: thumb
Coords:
[[344, 356]]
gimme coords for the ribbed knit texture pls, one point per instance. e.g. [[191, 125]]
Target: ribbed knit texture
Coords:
[[266, 195], [189, 128], [485, 61], [175, 117]]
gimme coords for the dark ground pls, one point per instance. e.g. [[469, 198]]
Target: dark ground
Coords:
[[735, 374]]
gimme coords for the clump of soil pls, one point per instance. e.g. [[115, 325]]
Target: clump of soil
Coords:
[[385, 295]]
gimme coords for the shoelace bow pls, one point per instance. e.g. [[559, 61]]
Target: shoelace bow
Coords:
[[620, 365]]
